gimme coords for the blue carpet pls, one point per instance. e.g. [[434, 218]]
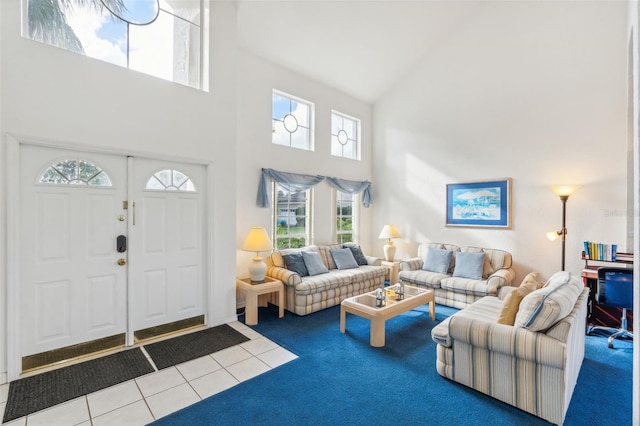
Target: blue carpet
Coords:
[[340, 379]]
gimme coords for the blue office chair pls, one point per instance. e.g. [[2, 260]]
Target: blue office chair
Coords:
[[615, 289]]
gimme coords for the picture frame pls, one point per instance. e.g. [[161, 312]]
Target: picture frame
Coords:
[[484, 204]]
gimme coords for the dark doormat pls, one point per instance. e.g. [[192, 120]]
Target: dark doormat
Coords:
[[190, 346], [45, 390]]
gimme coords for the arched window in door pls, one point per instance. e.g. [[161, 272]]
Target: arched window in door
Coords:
[[75, 172], [170, 180]]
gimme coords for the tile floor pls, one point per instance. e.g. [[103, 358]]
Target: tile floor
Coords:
[[147, 398]]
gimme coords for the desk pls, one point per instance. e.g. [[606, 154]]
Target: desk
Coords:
[[253, 291]]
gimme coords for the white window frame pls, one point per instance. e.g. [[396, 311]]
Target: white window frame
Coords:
[[311, 105], [308, 219], [355, 217], [358, 130]]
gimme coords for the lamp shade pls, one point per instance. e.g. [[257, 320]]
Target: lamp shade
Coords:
[[257, 240], [389, 231], [564, 190]]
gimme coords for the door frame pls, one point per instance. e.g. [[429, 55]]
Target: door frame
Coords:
[[13, 263]]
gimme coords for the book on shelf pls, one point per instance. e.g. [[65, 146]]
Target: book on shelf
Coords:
[[605, 252]]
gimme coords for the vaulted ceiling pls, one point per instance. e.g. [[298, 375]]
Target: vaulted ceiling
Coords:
[[361, 47]]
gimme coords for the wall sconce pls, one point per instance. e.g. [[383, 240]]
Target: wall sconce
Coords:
[[563, 191], [257, 240], [389, 232]]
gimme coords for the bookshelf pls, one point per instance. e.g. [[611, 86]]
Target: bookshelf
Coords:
[[597, 314]]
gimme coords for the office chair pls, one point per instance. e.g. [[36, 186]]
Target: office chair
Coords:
[[615, 289]]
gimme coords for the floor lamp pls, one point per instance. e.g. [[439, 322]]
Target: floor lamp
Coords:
[[563, 192]]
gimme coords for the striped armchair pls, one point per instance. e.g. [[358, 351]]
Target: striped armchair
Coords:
[[533, 364]]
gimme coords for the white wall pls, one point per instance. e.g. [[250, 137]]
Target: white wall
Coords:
[[256, 81], [535, 91], [54, 95]]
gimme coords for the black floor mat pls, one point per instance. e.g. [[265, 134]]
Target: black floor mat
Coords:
[[190, 346], [45, 390]]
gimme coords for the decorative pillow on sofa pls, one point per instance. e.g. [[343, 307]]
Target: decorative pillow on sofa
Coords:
[[313, 262], [532, 281], [344, 258], [487, 268], [295, 262], [469, 265], [437, 260], [357, 254], [510, 305], [542, 308]]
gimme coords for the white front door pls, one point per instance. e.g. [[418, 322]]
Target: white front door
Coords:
[[72, 288], [76, 284], [167, 242]]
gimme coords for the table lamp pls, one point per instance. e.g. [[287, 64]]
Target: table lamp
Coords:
[[257, 240], [389, 232]]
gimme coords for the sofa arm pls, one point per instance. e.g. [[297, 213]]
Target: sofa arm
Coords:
[[513, 341], [412, 264], [283, 274], [500, 278], [373, 261]]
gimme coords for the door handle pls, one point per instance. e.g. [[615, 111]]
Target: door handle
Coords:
[[121, 243], [122, 262]]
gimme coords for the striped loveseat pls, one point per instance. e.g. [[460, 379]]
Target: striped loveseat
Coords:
[[532, 364], [307, 294], [456, 291]]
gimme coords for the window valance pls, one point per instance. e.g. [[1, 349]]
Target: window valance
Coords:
[[294, 182]]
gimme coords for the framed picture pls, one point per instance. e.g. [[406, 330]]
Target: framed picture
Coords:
[[482, 203]]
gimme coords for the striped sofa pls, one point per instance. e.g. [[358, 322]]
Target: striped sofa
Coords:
[[307, 294], [459, 292], [533, 364]]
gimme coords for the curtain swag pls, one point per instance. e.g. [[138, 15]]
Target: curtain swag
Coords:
[[294, 182]]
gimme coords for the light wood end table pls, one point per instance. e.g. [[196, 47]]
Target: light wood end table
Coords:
[[393, 270], [252, 292]]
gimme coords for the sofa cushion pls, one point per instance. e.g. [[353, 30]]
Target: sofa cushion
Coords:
[[542, 308], [313, 262], [437, 260], [357, 254], [421, 277], [532, 281], [295, 262], [511, 304], [478, 288], [344, 258], [469, 265]]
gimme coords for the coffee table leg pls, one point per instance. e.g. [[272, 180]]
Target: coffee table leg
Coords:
[[342, 319], [432, 310], [376, 338]]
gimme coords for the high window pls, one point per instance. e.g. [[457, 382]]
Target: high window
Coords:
[[156, 37], [345, 139], [346, 217], [292, 219], [291, 121]]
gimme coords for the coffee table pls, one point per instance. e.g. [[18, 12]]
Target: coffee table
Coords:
[[364, 306]]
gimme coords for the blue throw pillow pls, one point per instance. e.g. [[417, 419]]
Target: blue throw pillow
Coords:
[[357, 254], [437, 260], [344, 258], [313, 263], [295, 263], [469, 265]]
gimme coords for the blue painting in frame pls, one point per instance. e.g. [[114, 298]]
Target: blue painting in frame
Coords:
[[482, 203]]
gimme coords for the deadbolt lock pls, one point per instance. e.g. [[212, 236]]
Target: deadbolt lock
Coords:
[[122, 262]]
